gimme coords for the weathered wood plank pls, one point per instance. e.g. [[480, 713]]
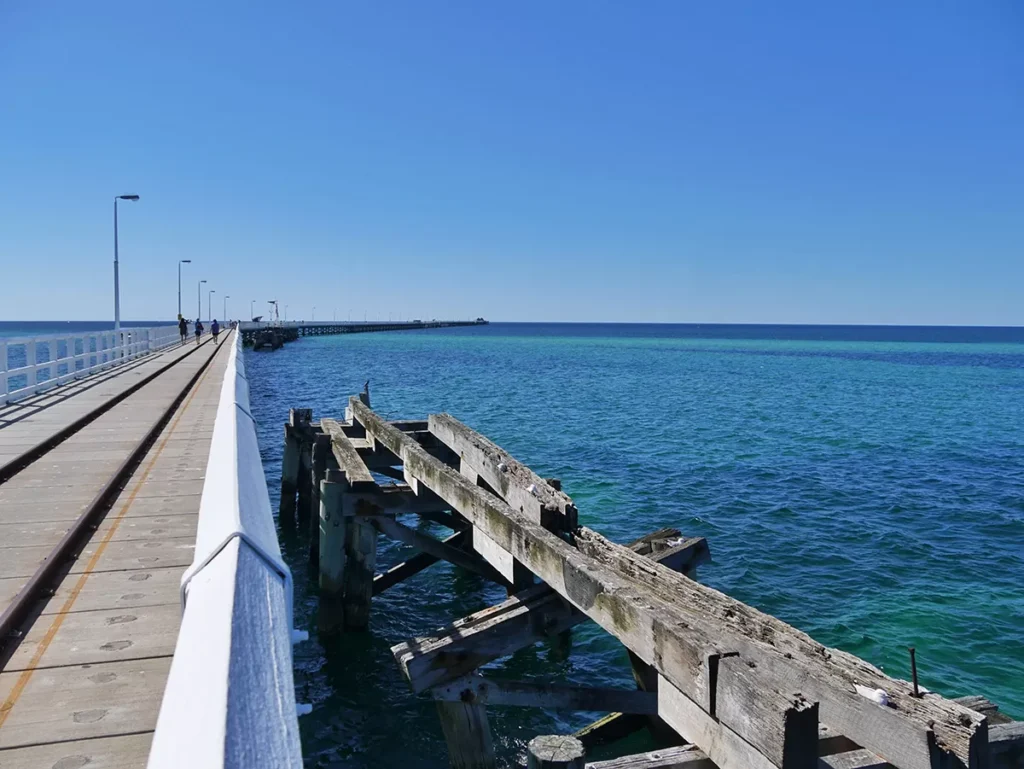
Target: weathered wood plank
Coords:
[[348, 458], [914, 733], [664, 633], [680, 757], [1006, 744], [476, 689], [427, 544], [855, 759], [723, 746], [467, 733], [986, 707], [781, 724], [516, 483], [523, 619], [415, 564]]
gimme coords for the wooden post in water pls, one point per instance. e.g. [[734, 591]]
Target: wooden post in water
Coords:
[[321, 460], [297, 420], [554, 751], [468, 735], [305, 482], [331, 617], [360, 563]]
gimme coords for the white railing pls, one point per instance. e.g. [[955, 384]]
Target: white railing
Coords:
[[29, 365], [230, 696]]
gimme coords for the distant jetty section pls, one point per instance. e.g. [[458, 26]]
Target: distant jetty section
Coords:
[[264, 335]]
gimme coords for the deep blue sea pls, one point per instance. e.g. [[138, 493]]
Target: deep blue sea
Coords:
[[865, 484]]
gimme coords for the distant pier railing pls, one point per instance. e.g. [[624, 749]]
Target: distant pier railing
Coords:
[[29, 365], [291, 330]]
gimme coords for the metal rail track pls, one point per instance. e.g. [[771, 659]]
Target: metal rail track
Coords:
[[40, 584]]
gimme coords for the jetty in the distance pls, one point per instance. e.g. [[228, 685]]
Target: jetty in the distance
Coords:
[[272, 334]]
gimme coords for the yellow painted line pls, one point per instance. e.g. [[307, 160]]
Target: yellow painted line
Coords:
[[58, 619]]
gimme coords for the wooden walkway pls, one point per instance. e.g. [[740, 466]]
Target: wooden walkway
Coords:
[[83, 686]]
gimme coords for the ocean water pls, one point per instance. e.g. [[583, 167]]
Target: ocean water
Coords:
[[864, 484]]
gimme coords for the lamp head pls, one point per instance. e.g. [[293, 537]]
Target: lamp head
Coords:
[[186, 261], [128, 197]]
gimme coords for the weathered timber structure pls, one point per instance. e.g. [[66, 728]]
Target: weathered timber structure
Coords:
[[733, 687]]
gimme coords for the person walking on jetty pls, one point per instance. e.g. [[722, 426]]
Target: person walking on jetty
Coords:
[[182, 328], [199, 329], [215, 329]]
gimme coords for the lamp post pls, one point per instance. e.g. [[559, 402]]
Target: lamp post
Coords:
[[209, 299], [117, 285], [314, 312], [251, 311], [181, 262], [199, 300], [225, 315]]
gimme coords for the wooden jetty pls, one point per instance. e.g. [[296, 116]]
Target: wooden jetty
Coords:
[[101, 485], [272, 335], [736, 688]]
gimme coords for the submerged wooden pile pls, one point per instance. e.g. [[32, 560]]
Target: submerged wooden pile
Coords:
[[736, 688]]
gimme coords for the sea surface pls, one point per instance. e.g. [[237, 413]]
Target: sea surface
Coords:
[[865, 484]]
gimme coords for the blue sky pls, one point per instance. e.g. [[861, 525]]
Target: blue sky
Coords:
[[658, 161]]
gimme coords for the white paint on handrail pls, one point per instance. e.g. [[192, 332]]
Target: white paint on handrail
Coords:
[[99, 350], [230, 696]]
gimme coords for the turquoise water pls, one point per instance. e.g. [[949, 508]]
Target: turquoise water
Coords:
[[868, 490]]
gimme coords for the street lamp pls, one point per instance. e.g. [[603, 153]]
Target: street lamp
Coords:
[[225, 315], [117, 285], [209, 299], [314, 312], [199, 300], [252, 313], [181, 262]]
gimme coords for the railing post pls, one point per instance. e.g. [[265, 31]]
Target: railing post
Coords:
[[3, 372], [32, 376]]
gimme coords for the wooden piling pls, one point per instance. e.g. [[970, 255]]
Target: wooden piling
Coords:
[[360, 564], [468, 735], [321, 459], [290, 464], [305, 481], [331, 537], [554, 751]]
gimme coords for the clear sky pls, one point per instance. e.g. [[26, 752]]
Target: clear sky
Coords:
[[847, 162]]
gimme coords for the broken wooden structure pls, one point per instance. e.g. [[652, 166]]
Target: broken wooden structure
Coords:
[[734, 687]]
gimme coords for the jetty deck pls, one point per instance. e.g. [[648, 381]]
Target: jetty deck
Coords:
[[100, 494], [87, 675]]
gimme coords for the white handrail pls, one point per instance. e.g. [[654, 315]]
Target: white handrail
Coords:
[[230, 696], [78, 355]]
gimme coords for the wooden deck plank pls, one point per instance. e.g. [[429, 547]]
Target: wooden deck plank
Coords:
[[82, 701], [129, 595], [128, 751], [93, 637], [111, 590]]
